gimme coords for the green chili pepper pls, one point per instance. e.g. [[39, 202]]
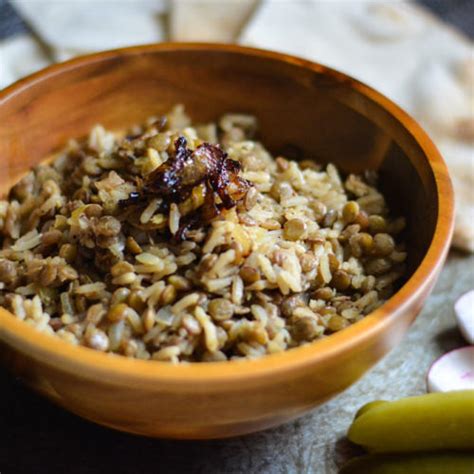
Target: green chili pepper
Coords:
[[435, 421], [414, 463]]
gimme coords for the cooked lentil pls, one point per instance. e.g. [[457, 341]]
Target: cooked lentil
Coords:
[[97, 251]]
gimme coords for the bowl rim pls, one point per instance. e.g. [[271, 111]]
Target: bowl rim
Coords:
[[118, 369]]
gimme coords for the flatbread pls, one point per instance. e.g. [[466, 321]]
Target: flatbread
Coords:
[[19, 56], [208, 20], [94, 25]]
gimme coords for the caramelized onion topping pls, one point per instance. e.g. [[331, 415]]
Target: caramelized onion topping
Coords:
[[176, 178]]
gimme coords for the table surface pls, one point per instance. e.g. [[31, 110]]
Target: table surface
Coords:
[[38, 437]]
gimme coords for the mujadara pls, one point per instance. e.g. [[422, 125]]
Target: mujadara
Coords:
[[188, 243]]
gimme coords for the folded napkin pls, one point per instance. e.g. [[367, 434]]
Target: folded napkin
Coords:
[[404, 52]]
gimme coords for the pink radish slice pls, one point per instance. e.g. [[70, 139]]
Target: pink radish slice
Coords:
[[464, 309], [452, 371]]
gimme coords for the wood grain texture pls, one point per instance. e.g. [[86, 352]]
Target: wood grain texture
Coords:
[[329, 117]]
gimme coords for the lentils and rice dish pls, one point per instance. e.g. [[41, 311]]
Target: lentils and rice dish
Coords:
[[164, 245]]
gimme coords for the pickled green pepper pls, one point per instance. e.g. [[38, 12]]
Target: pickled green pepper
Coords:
[[435, 421], [413, 463]]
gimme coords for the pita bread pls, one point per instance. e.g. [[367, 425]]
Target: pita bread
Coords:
[[88, 26], [208, 20], [19, 56]]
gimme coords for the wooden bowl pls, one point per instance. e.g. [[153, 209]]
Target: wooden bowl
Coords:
[[330, 117]]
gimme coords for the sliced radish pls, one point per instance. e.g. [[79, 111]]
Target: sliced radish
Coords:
[[452, 371], [464, 309]]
